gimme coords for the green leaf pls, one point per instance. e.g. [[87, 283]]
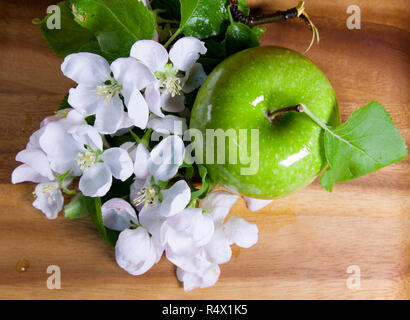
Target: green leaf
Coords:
[[365, 143], [240, 37], [76, 208], [93, 206], [71, 37], [116, 24], [206, 185], [258, 31], [203, 18], [243, 7]]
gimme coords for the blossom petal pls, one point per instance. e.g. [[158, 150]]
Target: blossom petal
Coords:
[[185, 52], [177, 242], [141, 162], [218, 203], [151, 53], [150, 219], [96, 181], [172, 104], [166, 158], [86, 68], [153, 97], [196, 263], [193, 280], [193, 225], [34, 140], [85, 99], [49, 203], [60, 147], [218, 249], [175, 199], [131, 73], [37, 160], [134, 251], [138, 110], [194, 78], [109, 118], [118, 214], [120, 163], [168, 124], [74, 117], [256, 204], [25, 173], [87, 135], [242, 233]]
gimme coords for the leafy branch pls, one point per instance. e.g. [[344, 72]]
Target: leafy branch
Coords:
[[366, 142]]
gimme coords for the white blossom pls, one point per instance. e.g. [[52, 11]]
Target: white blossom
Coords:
[[37, 168], [80, 150], [135, 251], [49, 199], [118, 214], [100, 86], [182, 74]]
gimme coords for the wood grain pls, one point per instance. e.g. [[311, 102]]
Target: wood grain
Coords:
[[306, 241]]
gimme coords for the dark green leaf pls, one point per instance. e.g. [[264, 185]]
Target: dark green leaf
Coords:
[[240, 37], [243, 7], [93, 206], [76, 208], [64, 103], [216, 53], [116, 24], [365, 143], [71, 37], [169, 9], [119, 189], [258, 31], [203, 18]]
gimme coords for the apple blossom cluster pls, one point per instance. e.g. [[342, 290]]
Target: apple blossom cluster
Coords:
[[160, 214]]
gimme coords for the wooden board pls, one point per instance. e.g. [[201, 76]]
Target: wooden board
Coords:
[[306, 241]]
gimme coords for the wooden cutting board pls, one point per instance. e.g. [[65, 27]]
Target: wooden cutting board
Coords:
[[307, 241]]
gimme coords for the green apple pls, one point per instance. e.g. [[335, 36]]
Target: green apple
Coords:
[[239, 94]]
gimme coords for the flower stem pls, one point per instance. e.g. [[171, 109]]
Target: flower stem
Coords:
[[176, 34]]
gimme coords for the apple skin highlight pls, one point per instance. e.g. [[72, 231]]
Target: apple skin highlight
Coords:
[[239, 93]]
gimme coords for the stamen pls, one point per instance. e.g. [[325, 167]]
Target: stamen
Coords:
[[62, 113], [109, 90], [169, 80], [87, 159], [49, 189], [146, 196]]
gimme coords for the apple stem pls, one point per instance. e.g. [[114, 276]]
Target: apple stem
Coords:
[[272, 115]]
